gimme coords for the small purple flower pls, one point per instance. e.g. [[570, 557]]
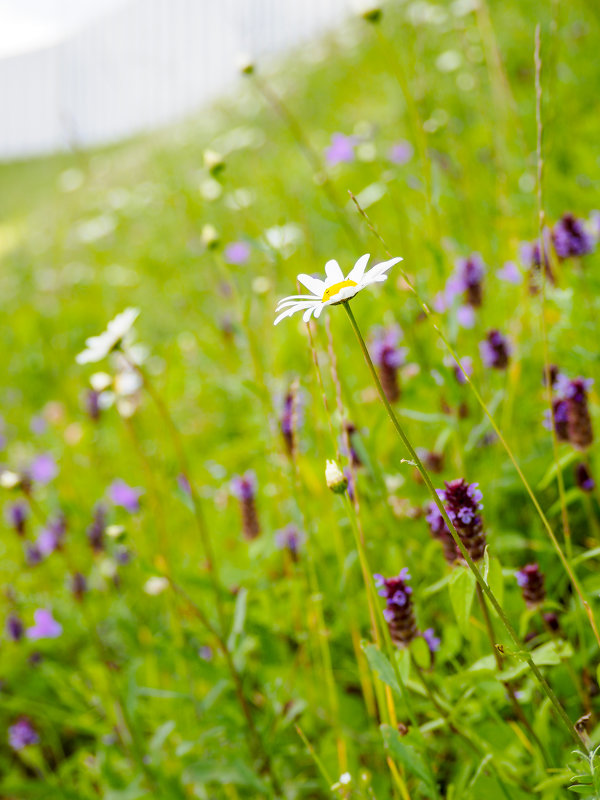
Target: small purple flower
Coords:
[[462, 502], [401, 152], [465, 316], [579, 423], [571, 239], [398, 612], [244, 486], [291, 539], [206, 653], [50, 538], [22, 734], [495, 350], [531, 581], [121, 494], [560, 414], [95, 532], [16, 515], [583, 477], [46, 627], [15, 629], [33, 556], [341, 149], [433, 642], [467, 366], [389, 358], [467, 278], [43, 468], [510, 273], [237, 253]]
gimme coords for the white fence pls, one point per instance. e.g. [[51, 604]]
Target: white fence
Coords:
[[143, 64]]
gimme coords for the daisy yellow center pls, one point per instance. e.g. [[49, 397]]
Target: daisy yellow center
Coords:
[[335, 289]]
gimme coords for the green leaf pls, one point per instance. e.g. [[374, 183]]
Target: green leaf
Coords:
[[410, 758], [548, 654], [239, 617], [550, 474], [381, 666], [420, 651], [462, 590]]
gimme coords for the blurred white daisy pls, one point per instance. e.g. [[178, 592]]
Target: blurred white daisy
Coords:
[[98, 347], [334, 289]]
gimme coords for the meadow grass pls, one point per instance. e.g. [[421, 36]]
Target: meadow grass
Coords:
[[201, 656]]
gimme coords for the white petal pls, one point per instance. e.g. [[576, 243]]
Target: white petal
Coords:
[[294, 298], [334, 272], [289, 311], [378, 269], [314, 285], [308, 313], [369, 279], [318, 310], [358, 269]]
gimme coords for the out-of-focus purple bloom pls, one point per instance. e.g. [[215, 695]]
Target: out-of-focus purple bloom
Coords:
[[14, 628], [92, 404], [237, 253], [583, 477], [571, 239], [495, 350], [244, 486], [78, 585], [33, 556], [433, 642], [22, 734], [467, 366], [291, 539], [510, 273], [440, 303], [462, 502], [465, 316], [560, 416], [50, 538], [184, 484], [341, 149], [46, 627], [400, 152], [350, 479], [398, 612], [352, 434], [467, 278], [38, 425], [121, 494], [389, 358], [43, 468], [95, 532], [205, 652], [16, 515], [291, 418], [531, 581], [579, 423], [440, 531]]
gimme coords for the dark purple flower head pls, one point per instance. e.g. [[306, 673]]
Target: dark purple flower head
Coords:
[[341, 149], [78, 585], [33, 555], [14, 628], [579, 423], [291, 417], [43, 468], [401, 152], [398, 611], [244, 486], [531, 581], [495, 350], [22, 734], [237, 253], [575, 390], [583, 477], [552, 373], [121, 494], [440, 531], [290, 538], [45, 627], [95, 532], [560, 416], [462, 502], [16, 515], [385, 350], [433, 642], [530, 253], [50, 538], [467, 278], [571, 239]]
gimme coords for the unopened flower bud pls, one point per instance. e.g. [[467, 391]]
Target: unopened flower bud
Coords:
[[210, 237], [336, 480]]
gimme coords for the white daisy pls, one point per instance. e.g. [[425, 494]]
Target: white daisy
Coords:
[[334, 289], [98, 347]]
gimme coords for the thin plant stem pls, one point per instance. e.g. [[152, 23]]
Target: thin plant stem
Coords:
[[562, 714], [564, 560]]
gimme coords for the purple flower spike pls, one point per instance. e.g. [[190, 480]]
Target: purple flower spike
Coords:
[[388, 357], [95, 532], [462, 502], [291, 418], [440, 531], [433, 642], [467, 364], [50, 538], [531, 581], [16, 516], [237, 253], [15, 629], [22, 734], [401, 152], [290, 538], [244, 488], [495, 350], [43, 468], [121, 494], [583, 478], [46, 627], [467, 279], [578, 420], [510, 273], [398, 613], [571, 239], [341, 149]]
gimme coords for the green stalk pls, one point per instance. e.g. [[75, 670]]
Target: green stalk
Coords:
[[562, 714]]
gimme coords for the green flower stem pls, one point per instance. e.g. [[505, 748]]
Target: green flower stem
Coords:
[[547, 689]]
